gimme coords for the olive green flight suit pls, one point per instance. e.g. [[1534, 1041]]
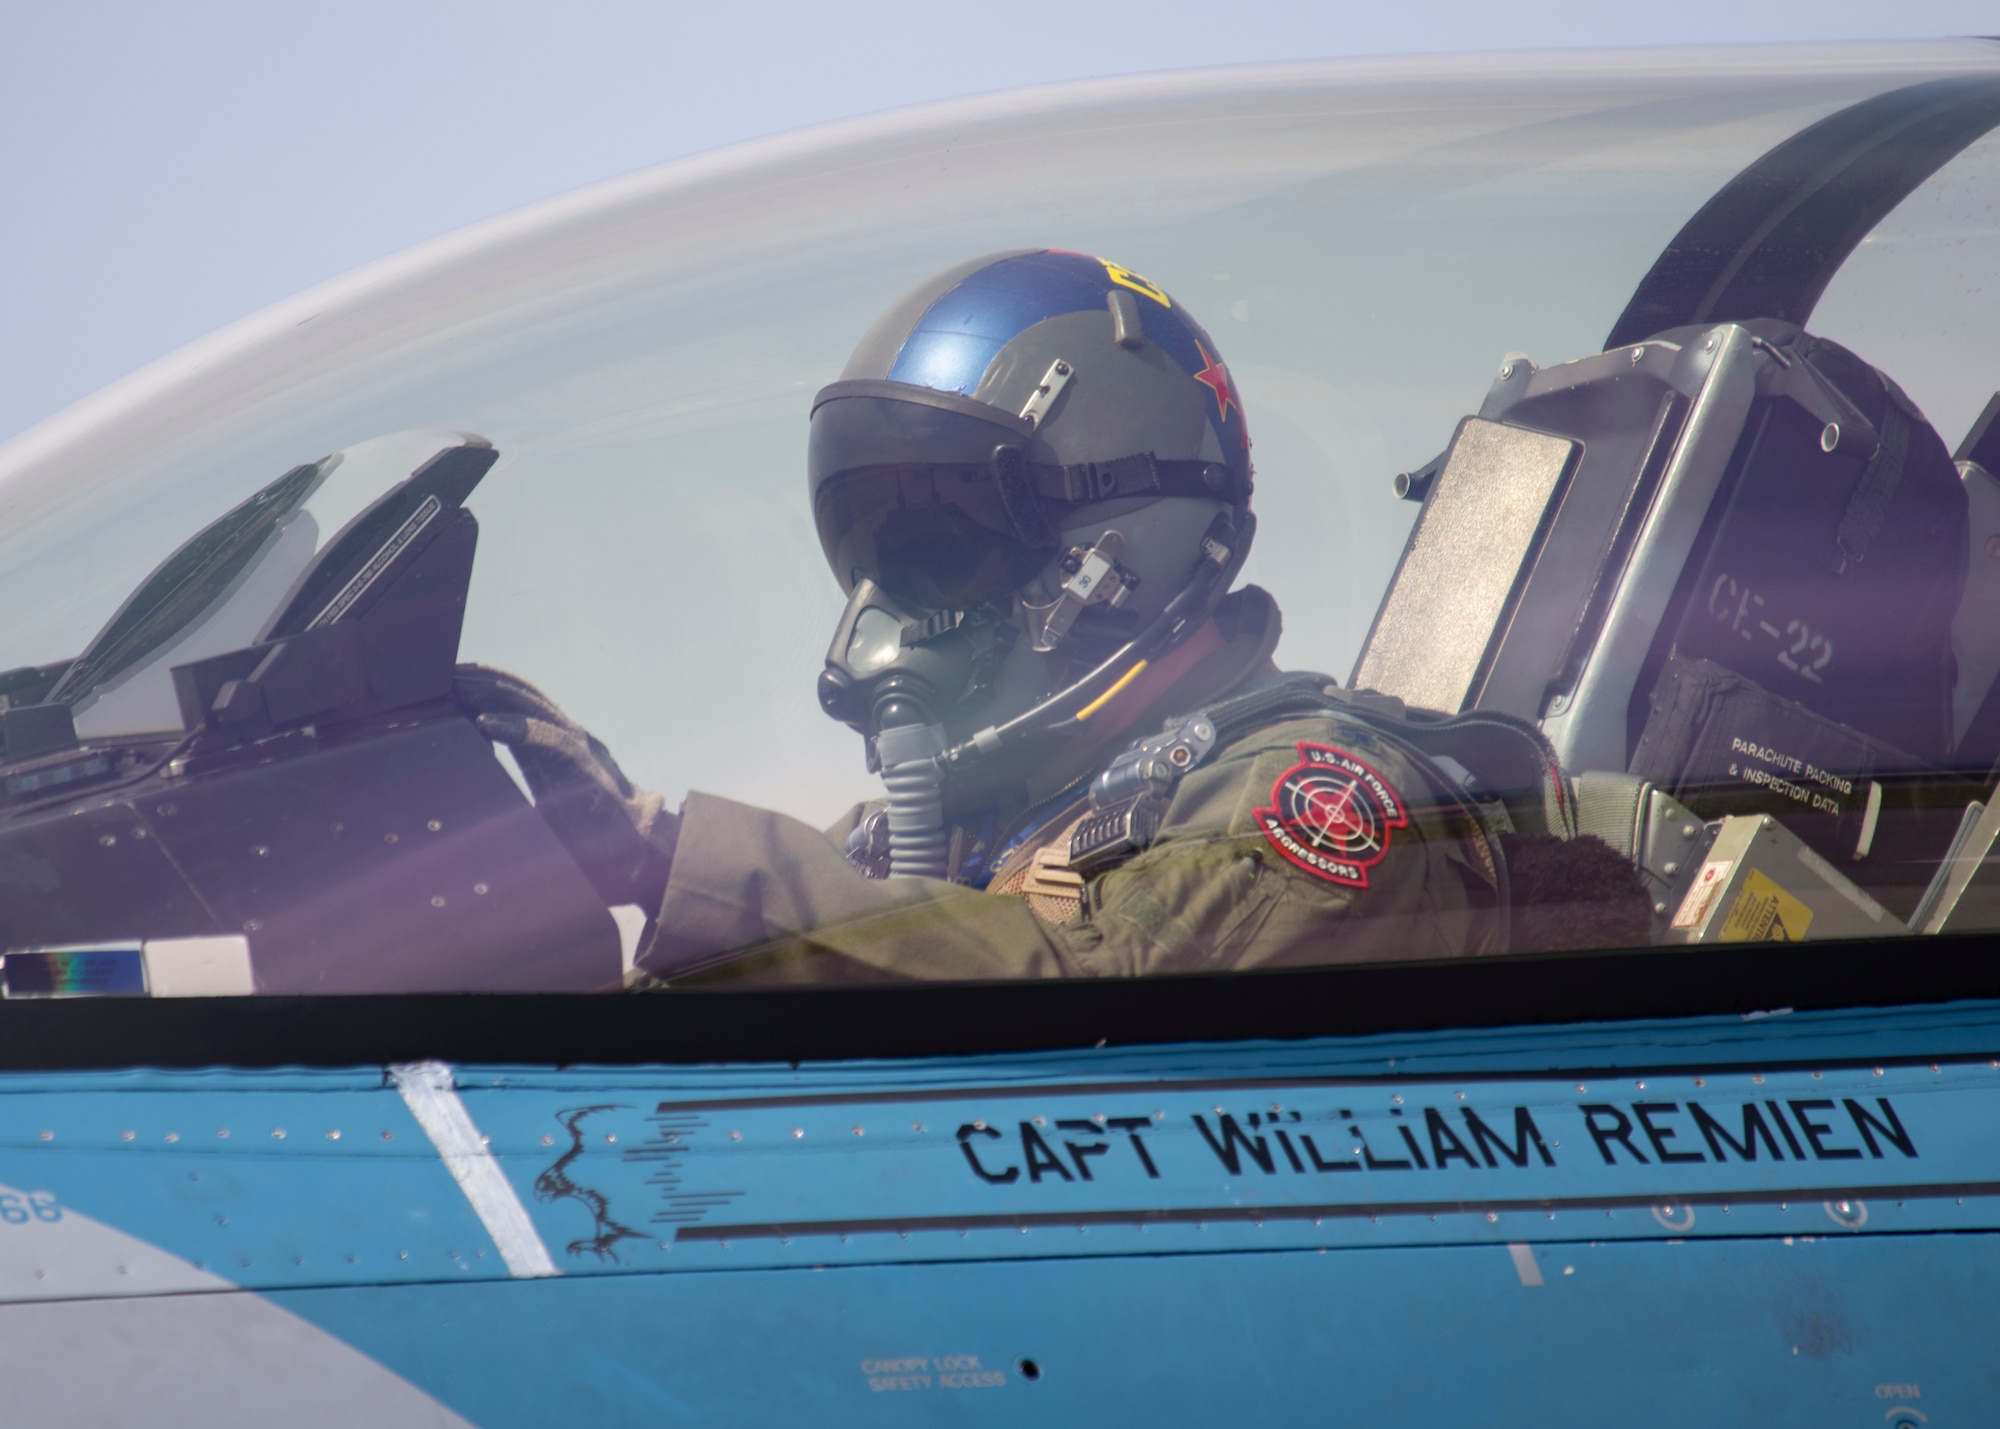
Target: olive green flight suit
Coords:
[[757, 897]]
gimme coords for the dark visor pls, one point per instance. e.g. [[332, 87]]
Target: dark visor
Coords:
[[909, 495]]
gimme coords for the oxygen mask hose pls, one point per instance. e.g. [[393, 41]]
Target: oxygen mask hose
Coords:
[[915, 781], [908, 746]]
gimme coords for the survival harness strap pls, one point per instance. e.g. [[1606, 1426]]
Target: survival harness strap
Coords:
[[1873, 494]]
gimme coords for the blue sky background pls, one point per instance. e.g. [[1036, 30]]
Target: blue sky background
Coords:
[[172, 167]]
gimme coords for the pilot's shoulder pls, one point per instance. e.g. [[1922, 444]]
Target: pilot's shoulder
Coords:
[[1278, 715], [1306, 730]]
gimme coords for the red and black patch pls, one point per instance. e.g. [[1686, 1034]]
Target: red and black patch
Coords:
[[1331, 815]]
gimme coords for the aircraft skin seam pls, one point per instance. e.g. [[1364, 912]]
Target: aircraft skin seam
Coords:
[[1339, 1210]]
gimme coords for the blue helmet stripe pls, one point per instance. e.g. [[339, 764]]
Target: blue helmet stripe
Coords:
[[966, 327]]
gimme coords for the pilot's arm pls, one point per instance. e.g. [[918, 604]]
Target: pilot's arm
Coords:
[[754, 895], [1213, 892], [750, 895]]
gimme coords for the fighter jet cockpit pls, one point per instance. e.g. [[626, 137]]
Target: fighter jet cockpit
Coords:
[[1316, 515]]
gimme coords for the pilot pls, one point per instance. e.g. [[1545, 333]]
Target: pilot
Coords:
[[1033, 480]]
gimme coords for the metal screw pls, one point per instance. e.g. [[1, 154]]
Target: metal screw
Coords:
[[480, 889], [1637, 353]]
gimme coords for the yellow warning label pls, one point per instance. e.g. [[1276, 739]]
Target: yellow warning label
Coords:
[[1765, 913], [1126, 278]]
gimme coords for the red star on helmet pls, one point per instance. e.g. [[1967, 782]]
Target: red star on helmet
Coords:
[[1216, 378]]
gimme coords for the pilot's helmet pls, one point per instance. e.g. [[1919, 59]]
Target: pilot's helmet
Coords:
[[988, 433]]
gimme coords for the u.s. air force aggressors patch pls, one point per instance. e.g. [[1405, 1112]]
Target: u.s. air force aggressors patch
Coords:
[[1331, 815]]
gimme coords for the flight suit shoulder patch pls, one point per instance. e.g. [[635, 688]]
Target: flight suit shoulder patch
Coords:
[[1332, 815]]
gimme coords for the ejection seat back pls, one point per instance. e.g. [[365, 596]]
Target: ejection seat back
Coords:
[[1727, 558]]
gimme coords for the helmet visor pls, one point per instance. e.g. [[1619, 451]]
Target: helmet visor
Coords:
[[907, 495]]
